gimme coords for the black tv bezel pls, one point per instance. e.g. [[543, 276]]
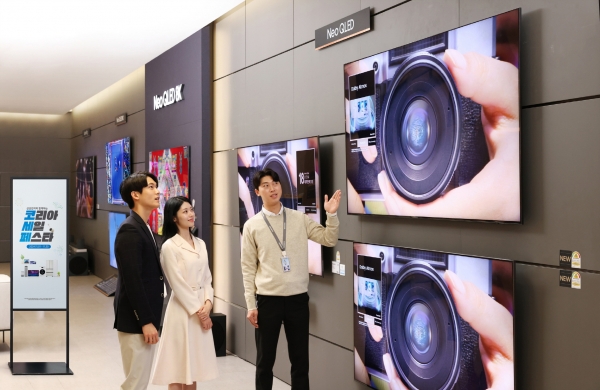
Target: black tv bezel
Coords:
[[492, 221]]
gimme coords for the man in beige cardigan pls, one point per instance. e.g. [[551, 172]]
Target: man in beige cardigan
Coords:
[[275, 272]]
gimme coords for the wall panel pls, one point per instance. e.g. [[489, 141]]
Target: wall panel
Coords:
[[269, 28], [331, 366], [319, 89], [380, 5], [331, 308], [225, 189], [227, 269], [557, 340], [126, 95], [407, 23], [269, 101], [230, 42], [559, 62], [333, 177], [230, 129]]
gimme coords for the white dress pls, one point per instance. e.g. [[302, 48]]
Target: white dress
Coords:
[[186, 352]]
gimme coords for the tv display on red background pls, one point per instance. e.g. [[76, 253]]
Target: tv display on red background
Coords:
[[433, 127], [432, 320], [297, 164], [172, 169]]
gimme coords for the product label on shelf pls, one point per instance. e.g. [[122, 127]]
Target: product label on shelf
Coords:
[[569, 259], [571, 279]]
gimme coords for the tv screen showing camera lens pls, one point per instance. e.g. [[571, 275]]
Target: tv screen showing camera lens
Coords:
[[297, 165], [114, 223], [429, 320], [433, 127]]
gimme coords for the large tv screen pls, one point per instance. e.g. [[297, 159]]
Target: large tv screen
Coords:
[[172, 169], [114, 223], [85, 172], [297, 164], [433, 128], [118, 168], [429, 320]]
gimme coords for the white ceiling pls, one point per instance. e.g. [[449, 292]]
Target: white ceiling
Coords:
[[55, 54]]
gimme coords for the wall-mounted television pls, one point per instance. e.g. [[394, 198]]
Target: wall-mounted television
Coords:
[[85, 189], [415, 327], [172, 169], [433, 128], [114, 223], [118, 167], [297, 164]]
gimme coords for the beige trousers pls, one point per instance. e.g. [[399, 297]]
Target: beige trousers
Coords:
[[137, 360]]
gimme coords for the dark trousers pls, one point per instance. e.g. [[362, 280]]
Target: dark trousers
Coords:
[[293, 312]]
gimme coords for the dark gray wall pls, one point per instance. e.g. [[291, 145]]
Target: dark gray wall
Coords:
[[31, 145], [187, 122], [266, 72], [99, 113]]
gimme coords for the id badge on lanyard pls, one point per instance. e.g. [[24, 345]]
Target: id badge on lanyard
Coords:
[[285, 260]]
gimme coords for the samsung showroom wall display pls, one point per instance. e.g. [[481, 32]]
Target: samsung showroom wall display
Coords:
[[39, 274]]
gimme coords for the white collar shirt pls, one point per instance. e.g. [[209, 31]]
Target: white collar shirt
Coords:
[[270, 214]]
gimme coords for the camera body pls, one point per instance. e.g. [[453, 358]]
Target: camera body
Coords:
[[429, 139], [431, 346]]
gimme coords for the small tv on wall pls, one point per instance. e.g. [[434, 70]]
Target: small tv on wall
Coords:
[[85, 189], [172, 169], [433, 127], [297, 164], [114, 223], [430, 320], [118, 167]]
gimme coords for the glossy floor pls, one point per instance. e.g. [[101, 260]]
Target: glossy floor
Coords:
[[94, 349]]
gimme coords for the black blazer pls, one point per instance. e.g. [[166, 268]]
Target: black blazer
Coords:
[[140, 293]]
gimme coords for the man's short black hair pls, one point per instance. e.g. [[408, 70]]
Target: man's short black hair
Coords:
[[135, 182], [265, 172]]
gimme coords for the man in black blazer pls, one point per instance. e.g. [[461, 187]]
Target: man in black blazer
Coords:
[[140, 285]]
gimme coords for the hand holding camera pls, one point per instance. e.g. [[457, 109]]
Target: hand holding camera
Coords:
[[494, 325], [493, 194]]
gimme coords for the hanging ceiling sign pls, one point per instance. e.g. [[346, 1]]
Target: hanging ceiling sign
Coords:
[[170, 96], [348, 27]]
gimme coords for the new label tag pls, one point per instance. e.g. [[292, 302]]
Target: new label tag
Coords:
[[571, 279], [569, 259]]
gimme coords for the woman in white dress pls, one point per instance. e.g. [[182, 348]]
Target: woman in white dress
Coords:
[[186, 351]]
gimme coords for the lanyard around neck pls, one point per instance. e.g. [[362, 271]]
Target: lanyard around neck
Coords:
[[282, 247]]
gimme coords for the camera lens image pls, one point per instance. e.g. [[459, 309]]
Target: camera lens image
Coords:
[[422, 327], [420, 341], [439, 118], [421, 128]]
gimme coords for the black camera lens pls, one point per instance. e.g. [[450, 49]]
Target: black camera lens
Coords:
[[423, 328], [418, 140], [420, 133], [419, 333]]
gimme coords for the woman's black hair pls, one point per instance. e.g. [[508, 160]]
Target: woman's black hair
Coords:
[[172, 206]]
